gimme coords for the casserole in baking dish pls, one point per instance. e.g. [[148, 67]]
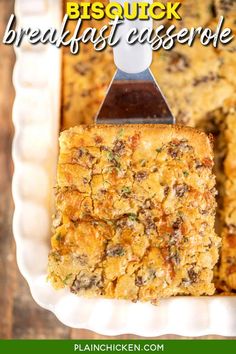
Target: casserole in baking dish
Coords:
[[204, 86]]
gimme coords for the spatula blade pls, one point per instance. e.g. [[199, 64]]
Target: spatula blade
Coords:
[[134, 99]]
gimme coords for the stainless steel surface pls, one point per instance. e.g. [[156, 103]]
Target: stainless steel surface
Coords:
[[134, 99]]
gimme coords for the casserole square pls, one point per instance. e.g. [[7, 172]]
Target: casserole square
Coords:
[[135, 212]]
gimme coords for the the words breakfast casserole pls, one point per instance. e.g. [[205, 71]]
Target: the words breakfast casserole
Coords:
[[135, 212]]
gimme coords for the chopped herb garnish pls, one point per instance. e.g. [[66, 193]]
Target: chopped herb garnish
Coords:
[[125, 190], [114, 159], [159, 150], [56, 256], [132, 217], [120, 133], [110, 155], [180, 213], [67, 278], [186, 173], [143, 163], [59, 237]]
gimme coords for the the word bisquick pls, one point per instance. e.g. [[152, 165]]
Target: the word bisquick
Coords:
[[142, 10]]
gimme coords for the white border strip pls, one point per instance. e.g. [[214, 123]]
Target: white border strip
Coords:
[[36, 112]]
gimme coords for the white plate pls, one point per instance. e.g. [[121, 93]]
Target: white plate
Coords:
[[36, 116]]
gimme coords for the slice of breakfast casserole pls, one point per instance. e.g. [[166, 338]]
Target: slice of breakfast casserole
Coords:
[[135, 211]]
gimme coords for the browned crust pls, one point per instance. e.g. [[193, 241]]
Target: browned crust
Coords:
[[202, 142]]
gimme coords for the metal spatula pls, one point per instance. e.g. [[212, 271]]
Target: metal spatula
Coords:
[[133, 96], [134, 99]]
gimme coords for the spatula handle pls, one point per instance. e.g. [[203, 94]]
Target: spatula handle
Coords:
[[132, 58]]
